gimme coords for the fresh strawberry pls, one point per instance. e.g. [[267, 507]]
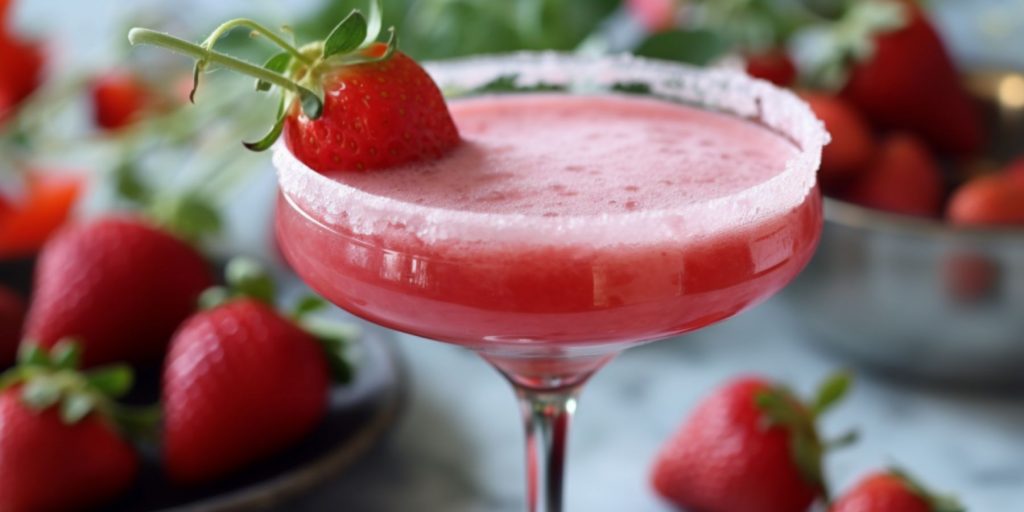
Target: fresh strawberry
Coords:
[[852, 145], [774, 66], [60, 445], [988, 201], [12, 315], [21, 67], [119, 285], [893, 491], [749, 447], [909, 82], [902, 178], [30, 220], [654, 15], [118, 98], [379, 108], [241, 382]]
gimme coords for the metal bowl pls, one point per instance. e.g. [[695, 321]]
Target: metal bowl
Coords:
[[918, 297]]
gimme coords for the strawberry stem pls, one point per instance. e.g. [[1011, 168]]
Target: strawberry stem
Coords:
[[227, 26], [312, 105]]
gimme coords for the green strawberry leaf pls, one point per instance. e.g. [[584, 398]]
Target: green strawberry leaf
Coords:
[[129, 186], [278, 64], [31, 354], [347, 35], [698, 46], [336, 338], [843, 441], [137, 422], [778, 407], [66, 354], [41, 392], [113, 381], [271, 136], [248, 277], [831, 392], [308, 304], [75, 407], [189, 215]]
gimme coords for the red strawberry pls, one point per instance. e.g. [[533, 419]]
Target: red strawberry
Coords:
[[241, 383], [909, 82], [1015, 170], [654, 15], [30, 220], [903, 178], [119, 285], [852, 145], [892, 491], [21, 67], [118, 98], [59, 447], [774, 66], [379, 108], [12, 315], [989, 200], [749, 447]]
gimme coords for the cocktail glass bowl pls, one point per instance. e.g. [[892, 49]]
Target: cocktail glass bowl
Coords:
[[548, 301]]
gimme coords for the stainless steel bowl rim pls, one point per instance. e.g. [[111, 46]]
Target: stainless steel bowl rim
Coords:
[[852, 215]]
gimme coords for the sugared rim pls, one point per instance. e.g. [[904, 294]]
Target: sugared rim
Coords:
[[869, 219], [336, 205]]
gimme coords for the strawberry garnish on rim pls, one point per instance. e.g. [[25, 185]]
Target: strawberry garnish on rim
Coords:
[[348, 102]]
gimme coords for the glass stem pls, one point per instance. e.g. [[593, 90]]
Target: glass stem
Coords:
[[546, 415]]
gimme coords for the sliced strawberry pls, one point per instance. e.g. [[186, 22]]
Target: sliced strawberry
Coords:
[[749, 447], [909, 82], [46, 205], [893, 491], [852, 146], [774, 66], [902, 178], [988, 201]]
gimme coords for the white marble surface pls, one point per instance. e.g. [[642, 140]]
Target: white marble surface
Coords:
[[458, 447]]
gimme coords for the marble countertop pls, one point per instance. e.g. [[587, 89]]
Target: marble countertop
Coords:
[[459, 445]]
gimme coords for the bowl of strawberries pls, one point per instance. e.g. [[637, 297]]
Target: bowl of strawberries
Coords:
[[920, 271]]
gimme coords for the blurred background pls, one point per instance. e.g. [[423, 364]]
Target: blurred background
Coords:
[[921, 292]]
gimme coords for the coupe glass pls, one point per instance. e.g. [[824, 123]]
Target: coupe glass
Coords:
[[549, 300]]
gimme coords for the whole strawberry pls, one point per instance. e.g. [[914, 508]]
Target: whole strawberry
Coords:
[[902, 178], [60, 447], [119, 285], [118, 99], [853, 144], [988, 201], [893, 491], [12, 315], [908, 81], [749, 447], [241, 382], [21, 66], [348, 103], [773, 65]]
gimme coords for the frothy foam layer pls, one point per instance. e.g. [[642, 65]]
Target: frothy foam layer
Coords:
[[561, 155]]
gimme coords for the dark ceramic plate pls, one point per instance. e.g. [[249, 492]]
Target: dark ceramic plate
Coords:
[[360, 414]]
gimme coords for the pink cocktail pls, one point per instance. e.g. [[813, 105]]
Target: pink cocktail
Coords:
[[569, 225]]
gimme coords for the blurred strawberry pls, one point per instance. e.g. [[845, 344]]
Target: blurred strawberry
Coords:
[[29, 221], [21, 66], [119, 285], [752, 446], [12, 316], [241, 381], [118, 99], [1015, 170], [774, 66], [853, 144], [893, 491], [909, 82], [654, 15], [903, 178], [988, 201], [60, 447]]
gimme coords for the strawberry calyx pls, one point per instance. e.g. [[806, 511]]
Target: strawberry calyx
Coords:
[[51, 379], [782, 408], [297, 72], [247, 279], [936, 502]]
